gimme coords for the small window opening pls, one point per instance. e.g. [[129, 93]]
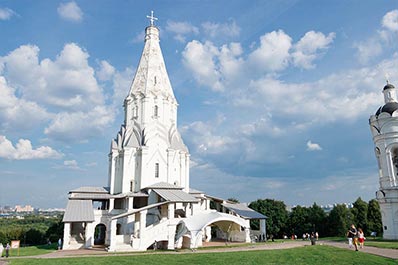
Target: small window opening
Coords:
[[156, 111], [156, 170]]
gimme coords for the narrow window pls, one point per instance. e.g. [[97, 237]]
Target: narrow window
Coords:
[[155, 80], [156, 170], [131, 186], [156, 111]]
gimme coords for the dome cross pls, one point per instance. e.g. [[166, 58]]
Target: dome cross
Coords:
[[152, 19]]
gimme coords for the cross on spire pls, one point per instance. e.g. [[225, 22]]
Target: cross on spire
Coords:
[[152, 19]]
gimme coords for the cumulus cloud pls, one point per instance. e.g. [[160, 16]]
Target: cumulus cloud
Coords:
[[73, 126], [6, 13], [70, 11], [306, 50], [195, 54], [105, 71], [313, 146], [390, 20], [273, 52], [23, 150], [181, 29], [16, 113], [67, 82], [384, 38]]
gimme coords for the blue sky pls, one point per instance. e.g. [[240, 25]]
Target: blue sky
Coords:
[[274, 96]]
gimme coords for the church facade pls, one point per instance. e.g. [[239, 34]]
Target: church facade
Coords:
[[148, 202], [384, 128]]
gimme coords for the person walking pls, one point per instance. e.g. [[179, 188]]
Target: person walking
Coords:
[[353, 233], [7, 250], [361, 237]]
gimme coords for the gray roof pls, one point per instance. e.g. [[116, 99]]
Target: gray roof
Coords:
[[175, 195], [130, 194], [163, 185], [90, 190], [243, 211], [193, 191], [79, 211], [90, 196]]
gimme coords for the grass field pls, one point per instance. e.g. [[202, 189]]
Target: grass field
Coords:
[[33, 250], [302, 255]]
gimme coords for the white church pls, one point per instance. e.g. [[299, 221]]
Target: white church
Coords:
[[148, 202], [384, 128]]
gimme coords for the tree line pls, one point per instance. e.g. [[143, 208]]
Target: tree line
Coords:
[[31, 230], [300, 220]]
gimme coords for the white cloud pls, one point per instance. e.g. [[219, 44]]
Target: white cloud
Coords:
[[121, 84], [368, 50], [220, 30], [23, 150], [196, 53], [74, 126], [181, 29], [390, 20], [313, 146], [70, 11], [19, 114], [67, 82], [273, 52], [6, 13], [106, 71], [306, 50], [71, 164]]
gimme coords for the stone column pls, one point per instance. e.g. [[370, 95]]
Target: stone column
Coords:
[[171, 237], [89, 235], [111, 204], [66, 241], [112, 239], [263, 230], [247, 232], [208, 233], [171, 207], [142, 222]]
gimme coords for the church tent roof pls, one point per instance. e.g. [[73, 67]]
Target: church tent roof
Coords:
[[79, 211], [243, 211], [175, 195]]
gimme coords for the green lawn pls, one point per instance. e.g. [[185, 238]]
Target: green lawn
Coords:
[[33, 250], [302, 255]]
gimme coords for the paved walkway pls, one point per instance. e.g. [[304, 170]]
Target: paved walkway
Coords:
[[384, 252], [389, 253]]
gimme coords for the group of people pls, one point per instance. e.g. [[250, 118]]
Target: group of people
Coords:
[[355, 237]]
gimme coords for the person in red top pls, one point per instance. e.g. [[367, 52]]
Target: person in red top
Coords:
[[361, 237]]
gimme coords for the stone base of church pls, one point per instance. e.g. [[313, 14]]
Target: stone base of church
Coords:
[[388, 200]]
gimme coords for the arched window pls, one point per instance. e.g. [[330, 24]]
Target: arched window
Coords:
[[118, 229]]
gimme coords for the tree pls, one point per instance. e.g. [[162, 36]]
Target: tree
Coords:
[[299, 221], [339, 220], [374, 218], [317, 218], [360, 212], [276, 213]]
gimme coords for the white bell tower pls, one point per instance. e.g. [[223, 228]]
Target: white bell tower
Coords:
[[148, 148], [384, 128]]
